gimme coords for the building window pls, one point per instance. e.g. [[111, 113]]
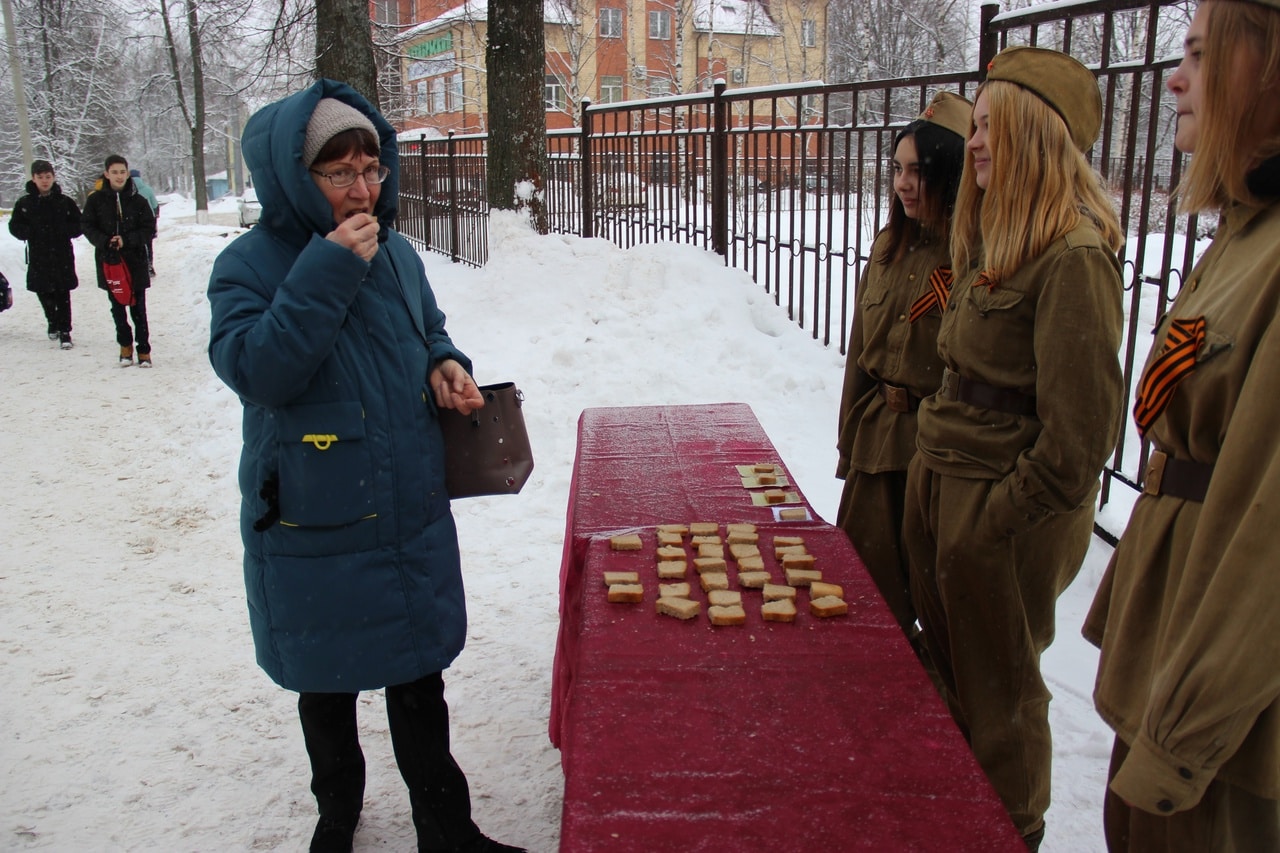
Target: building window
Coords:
[[610, 89], [659, 86], [660, 25], [553, 93], [809, 33], [610, 23], [421, 97], [438, 104], [455, 92]]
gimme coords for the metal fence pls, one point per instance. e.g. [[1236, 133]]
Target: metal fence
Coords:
[[792, 183]]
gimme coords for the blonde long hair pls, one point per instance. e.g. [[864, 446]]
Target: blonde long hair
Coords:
[[1238, 121], [1040, 187]]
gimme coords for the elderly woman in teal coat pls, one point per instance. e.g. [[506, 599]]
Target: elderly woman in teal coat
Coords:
[[324, 324]]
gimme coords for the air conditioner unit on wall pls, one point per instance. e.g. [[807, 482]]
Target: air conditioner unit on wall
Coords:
[[640, 72], [738, 75]]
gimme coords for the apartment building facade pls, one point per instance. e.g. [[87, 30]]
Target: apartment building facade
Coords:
[[604, 51]]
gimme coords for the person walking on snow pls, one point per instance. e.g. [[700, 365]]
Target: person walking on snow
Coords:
[[150, 195], [47, 221], [118, 219]]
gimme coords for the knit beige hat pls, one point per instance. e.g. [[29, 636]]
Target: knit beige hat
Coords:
[[950, 111], [1058, 80], [330, 118]]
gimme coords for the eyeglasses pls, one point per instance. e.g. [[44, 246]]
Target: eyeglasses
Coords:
[[343, 178]]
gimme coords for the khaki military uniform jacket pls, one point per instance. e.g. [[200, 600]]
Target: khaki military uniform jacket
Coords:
[[1051, 330], [1186, 614], [885, 347]]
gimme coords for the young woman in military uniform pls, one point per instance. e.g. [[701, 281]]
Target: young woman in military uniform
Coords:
[[892, 359], [999, 507], [1186, 612]]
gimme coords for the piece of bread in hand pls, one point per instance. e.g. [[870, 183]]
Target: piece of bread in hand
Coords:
[[802, 577], [724, 597], [732, 615], [828, 605], [713, 580], [779, 610], [754, 580], [681, 608], [626, 542], [777, 592], [673, 590], [669, 569], [610, 578], [626, 593], [819, 589]]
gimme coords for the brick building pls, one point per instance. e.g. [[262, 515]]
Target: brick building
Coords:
[[602, 50]]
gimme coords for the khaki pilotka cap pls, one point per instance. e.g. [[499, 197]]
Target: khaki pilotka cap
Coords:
[[952, 112], [1058, 80]]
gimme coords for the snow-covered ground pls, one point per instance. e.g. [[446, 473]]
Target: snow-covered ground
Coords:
[[133, 714]]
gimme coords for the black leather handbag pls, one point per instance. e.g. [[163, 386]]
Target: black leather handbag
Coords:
[[487, 452]]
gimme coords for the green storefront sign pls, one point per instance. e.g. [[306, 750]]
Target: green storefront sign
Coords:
[[439, 44]]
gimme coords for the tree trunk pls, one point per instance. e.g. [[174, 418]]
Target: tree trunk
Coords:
[[344, 45], [516, 63]]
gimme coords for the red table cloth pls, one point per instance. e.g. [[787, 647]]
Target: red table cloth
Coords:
[[677, 735]]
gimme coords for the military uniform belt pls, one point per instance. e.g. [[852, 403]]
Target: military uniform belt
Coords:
[[1177, 478], [984, 396]]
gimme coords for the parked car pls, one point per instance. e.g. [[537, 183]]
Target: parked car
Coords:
[[250, 210]]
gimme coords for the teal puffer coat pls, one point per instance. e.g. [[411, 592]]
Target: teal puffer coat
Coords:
[[351, 556]]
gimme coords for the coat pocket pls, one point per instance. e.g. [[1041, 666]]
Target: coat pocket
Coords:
[[326, 470]]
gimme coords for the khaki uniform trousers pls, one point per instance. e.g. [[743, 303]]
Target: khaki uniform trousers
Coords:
[[985, 602], [870, 513], [1226, 820]]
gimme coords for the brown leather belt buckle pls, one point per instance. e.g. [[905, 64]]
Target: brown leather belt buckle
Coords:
[[1154, 476], [895, 398]]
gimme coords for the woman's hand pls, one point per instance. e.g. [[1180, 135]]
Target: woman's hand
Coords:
[[359, 233], [454, 388]]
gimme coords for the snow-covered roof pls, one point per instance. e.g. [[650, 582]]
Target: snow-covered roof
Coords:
[[477, 11], [732, 17], [735, 17]]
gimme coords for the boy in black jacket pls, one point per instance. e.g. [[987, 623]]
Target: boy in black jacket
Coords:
[[117, 219]]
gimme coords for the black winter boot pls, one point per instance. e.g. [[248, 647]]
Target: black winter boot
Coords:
[[334, 834]]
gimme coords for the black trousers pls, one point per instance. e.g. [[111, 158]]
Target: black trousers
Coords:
[[140, 334], [57, 309], [419, 721]]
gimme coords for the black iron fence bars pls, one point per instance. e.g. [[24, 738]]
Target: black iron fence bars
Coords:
[[791, 183]]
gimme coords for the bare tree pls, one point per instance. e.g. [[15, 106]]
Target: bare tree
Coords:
[[517, 158], [72, 57]]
